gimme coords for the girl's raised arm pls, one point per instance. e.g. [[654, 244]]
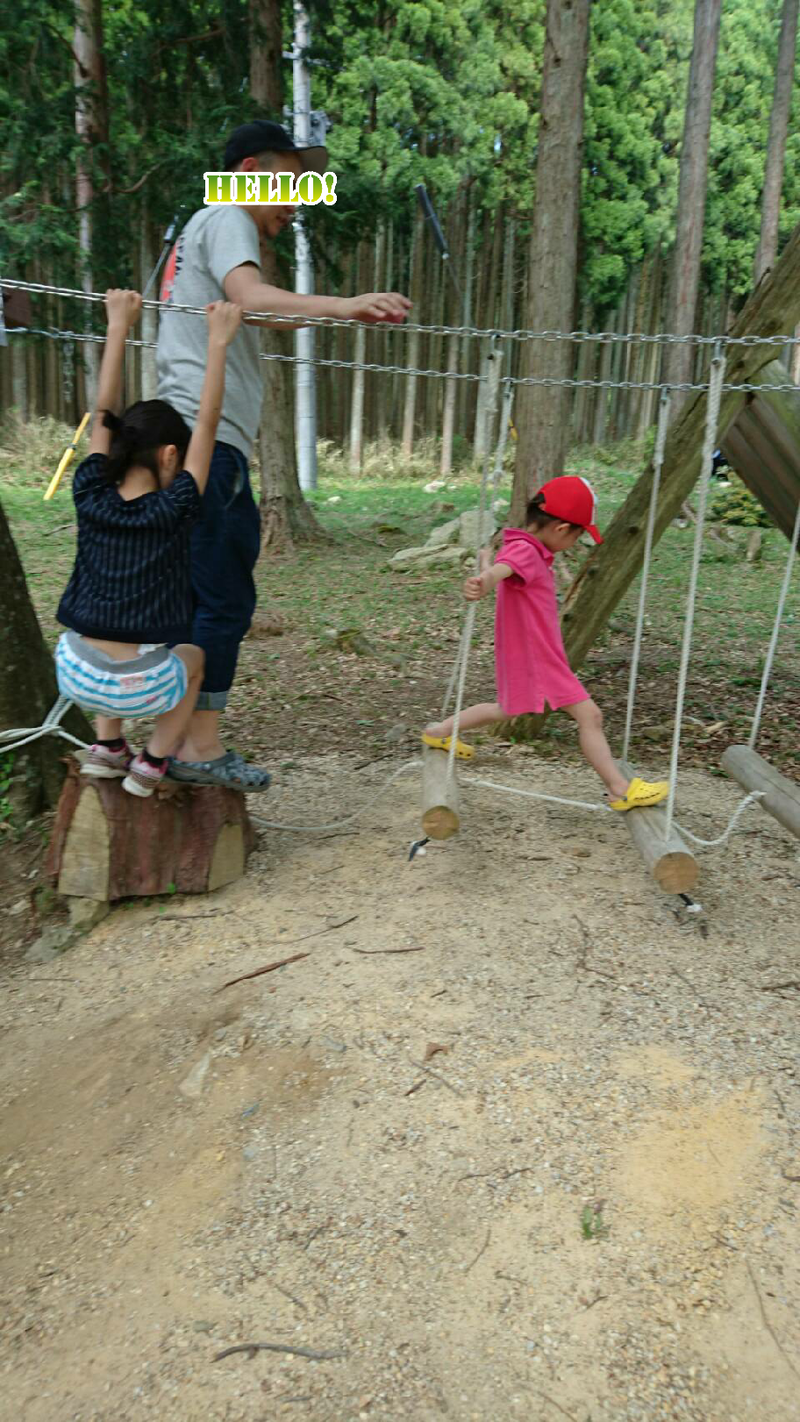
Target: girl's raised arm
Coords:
[[122, 312]]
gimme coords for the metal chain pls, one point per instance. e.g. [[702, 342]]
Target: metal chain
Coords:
[[624, 337], [509, 380]]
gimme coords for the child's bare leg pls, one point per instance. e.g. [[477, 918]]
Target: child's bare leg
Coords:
[[470, 719], [169, 729], [595, 747], [108, 728]]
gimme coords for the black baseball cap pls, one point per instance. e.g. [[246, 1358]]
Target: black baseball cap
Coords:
[[262, 136]]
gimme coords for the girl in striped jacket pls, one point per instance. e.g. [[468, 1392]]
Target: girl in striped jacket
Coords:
[[128, 604]]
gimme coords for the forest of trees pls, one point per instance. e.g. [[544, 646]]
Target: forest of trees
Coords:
[[111, 113]]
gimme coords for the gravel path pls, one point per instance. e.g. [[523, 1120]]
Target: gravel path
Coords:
[[543, 1167]]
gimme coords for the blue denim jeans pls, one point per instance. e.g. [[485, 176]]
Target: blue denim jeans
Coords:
[[225, 547]]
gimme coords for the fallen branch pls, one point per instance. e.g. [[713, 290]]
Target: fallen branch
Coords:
[[253, 1348], [435, 1074], [480, 1252], [771, 1331], [374, 952], [270, 968], [416, 1086]]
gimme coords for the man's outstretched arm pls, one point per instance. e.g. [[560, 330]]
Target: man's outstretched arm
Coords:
[[243, 285]]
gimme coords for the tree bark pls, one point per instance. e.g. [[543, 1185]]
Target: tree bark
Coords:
[[285, 515], [767, 249], [91, 127], [28, 685], [415, 288], [692, 187], [543, 411]]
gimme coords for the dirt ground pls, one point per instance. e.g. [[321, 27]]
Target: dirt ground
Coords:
[[583, 1204]]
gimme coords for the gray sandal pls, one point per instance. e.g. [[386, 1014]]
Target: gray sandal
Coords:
[[230, 771]]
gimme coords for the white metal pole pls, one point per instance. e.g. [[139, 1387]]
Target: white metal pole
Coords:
[[305, 383]]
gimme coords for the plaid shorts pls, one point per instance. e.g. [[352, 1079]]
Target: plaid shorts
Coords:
[[148, 685]]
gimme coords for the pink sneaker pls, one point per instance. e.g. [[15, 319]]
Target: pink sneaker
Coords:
[[107, 764], [143, 778]]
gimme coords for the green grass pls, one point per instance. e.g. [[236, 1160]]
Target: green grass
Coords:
[[297, 690]]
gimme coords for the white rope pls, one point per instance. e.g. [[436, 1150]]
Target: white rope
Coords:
[[594, 805], [349, 819], [706, 467], [773, 641], [51, 726], [658, 462]]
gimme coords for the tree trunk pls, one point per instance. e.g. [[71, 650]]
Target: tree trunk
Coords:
[[28, 685], [285, 515], [415, 289], [767, 249], [91, 127], [359, 356], [542, 411], [692, 194], [148, 257]]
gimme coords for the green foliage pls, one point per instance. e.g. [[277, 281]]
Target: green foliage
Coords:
[[737, 505], [6, 777]]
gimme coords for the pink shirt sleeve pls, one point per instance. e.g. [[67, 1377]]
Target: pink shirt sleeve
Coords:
[[523, 559]]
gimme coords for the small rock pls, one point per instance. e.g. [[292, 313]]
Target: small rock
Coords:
[[202, 1326], [85, 913], [250, 1152], [250, 1110], [434, 486], [192, 1085], [19, 907], [444, 534], [334, 1046], [53, 941]]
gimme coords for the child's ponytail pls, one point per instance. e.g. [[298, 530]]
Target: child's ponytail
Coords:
[[138, 434]]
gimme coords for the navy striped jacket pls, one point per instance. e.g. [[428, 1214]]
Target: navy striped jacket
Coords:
[[131, 581]]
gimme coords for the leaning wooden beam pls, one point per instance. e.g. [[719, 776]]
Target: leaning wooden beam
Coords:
[[752, 772], [440, 817], [773, 309], [672, 865]]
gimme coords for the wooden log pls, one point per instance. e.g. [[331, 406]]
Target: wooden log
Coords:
[[752, 772], [672, 865], [440, 818], [107, 844]]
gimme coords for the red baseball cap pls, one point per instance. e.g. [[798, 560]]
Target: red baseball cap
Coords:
[[572, 499]]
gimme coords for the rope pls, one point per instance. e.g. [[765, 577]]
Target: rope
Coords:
[[625, 337], [594, 805], [349, 819], [706, 466], [773, 641], [51, 725], [658, 462]]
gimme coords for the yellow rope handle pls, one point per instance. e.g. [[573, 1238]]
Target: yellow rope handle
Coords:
[[66, 458]]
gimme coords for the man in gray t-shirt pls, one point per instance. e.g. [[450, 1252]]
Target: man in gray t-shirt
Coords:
[[217, 257]]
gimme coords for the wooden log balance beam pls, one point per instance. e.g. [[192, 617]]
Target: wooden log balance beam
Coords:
[[752, 772], [107, 844], [440, 817], [671, 863]]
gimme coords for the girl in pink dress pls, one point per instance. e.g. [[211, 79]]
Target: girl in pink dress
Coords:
[[530, 662]]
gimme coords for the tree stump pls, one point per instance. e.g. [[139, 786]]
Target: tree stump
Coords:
[[185, 839]]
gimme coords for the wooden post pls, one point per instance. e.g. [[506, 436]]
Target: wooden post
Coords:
[[752, 772], [672, 865], [440, 817]]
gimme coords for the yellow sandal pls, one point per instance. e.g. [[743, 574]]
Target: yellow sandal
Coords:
[[463, 751], [642, 794]]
